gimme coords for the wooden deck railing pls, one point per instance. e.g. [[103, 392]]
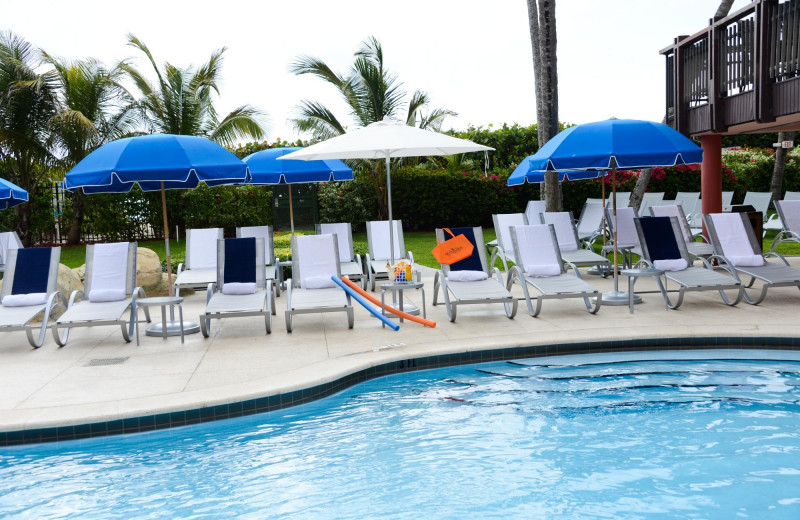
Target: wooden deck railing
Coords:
[[742, 69]]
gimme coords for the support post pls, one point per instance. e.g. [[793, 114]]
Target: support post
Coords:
[[711, 173]]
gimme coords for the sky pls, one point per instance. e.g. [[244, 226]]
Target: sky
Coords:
[[470, 56]]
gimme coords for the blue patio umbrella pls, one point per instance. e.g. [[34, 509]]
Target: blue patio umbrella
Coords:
[[611, 145], [11, 195], [525, 172], [156, 162], [265, 168]]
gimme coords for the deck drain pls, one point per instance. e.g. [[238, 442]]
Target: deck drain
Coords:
[[106, 361]]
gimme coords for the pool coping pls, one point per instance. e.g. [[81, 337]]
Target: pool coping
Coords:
[[336, 383]]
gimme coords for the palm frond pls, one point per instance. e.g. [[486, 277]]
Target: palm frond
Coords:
[[240, 124]]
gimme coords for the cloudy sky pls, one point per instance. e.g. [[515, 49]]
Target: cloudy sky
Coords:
[[471, 56]]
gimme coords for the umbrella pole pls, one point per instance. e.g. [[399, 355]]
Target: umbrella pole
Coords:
[[614, 209], [166, 241], [389, 202], [603, 196], [291, 210]]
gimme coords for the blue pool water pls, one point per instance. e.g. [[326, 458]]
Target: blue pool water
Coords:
[[570, 437]]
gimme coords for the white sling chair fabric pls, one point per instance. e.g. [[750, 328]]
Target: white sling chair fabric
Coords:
[[349, 263], [534, 209], [379, 248], [789, 218], [504, 250], [201, 259], [568, 242]]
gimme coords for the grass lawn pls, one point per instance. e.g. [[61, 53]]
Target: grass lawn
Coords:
[[418, 242]]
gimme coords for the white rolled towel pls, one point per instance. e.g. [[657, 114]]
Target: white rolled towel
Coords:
[[318, 282], [106, 295], [467, 276], [747, 260], [542, 271], [239, 288], [25, 300], [677, 264]]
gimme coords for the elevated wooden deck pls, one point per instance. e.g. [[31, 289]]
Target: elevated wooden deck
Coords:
[[739, 75]]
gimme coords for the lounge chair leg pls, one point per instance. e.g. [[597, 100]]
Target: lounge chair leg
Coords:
[[205, 326], [288, 317], [350, 318], [268, 322], [60, 339], [511, 309], [760, 296]]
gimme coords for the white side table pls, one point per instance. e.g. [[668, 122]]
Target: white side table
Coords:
[[163, 302], [633, 274], [399, 287]]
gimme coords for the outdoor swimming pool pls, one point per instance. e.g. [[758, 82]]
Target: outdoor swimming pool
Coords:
[[596, 436]]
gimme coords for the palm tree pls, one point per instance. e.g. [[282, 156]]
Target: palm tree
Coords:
[[94, 109], [181, 102], [372, 93], [27, 104]]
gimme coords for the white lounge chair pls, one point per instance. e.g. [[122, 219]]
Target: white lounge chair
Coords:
[[696, 249], [727, 199], [504, 250], [242, 288], [273, 270], [380, 251], [29, 290], [623, 200], [534, 209], [349, 263], [650, 199], [789, 217], [774, 222], [542, 268], [568, 243], [663, 247], [689, 201], [200, 268], [591, 223], [109, 295], [8, 240], [626, 237], [468, 281], [733, 238], [315, 258]]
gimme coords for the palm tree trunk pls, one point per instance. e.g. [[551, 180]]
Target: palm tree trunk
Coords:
[[780, 164], [78, 213]]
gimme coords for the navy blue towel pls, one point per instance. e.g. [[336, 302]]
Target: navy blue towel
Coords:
[[472, 262], [660, 238], [240, 260], [31, 271]]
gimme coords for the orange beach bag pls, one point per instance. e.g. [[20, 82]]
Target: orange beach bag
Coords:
[[453, 249]]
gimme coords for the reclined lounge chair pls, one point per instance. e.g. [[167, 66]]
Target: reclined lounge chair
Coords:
[[8, 240], [467, 281], [540, 266], [663, 247], [591, 223], [315, 258], [733, 238], [789, 219], [273, 271], [29, 289], [570, 245], [379, 249], [242, 287], [109, 295], [349, 263], [696, 249], [200, 268], [502, 248]]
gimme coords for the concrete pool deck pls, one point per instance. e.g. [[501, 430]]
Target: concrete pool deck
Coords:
[[60, 387]]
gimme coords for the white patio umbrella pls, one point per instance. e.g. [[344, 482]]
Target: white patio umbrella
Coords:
[[386, 140]]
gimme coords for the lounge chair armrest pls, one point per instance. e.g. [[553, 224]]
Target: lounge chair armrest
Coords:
[[369, 260], [514, 272], [410, 256], [772, 217], [180, 269], [56, 299], [644, 263], [211, 289], [439, 277], [74, 297], [570, 265], [268, 296], [499, 276], [360, 263], [778, 256]]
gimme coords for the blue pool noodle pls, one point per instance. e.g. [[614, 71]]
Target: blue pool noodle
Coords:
[[364, 303]]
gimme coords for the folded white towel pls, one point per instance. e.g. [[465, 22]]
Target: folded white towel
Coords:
[[467, 276], [318, 282], [106, 295], [747, 260], [239, 288], [677, 264], [542, 271], [25, 300]]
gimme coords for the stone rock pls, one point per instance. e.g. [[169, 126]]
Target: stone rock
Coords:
[[81, 272], [162, 289], [68, 281], [148, 270]]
